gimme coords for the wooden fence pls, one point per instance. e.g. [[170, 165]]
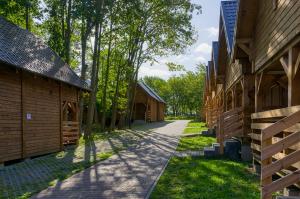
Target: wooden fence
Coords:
[[230, 124], [70, 131], [275, 142]]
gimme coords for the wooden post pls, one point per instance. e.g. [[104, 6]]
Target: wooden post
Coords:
[[258, 97], [23, 112], [61, 117], [264, 163], [293, 78], [221, 134]]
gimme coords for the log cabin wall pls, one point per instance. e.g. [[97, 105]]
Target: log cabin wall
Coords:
[[41, 115], [10, 114], [278, 25], [161, 111], [153, 110], [30, 113], [140, 104], [69, 93]]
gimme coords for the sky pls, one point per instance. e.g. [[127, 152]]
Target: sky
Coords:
[[206, 26]]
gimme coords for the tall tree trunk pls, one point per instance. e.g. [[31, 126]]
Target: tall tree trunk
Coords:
[[106, 76], [91, 106], [95, 68], [63, 35], [85, 31], [68, 33], [115, 102], [27, 7]]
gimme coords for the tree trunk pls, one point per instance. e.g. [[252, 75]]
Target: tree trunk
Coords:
[[106, 76], [68, 33], [95, 68], [115, 102], [27, 15], [91, 106]]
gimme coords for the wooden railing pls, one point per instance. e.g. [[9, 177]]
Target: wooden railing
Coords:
[[233, 123], [230, 124], [275, 141], [70, 131]]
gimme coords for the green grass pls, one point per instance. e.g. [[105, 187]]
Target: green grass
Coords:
[[195, 143], [200, 178], [196, 124], [195, 127]]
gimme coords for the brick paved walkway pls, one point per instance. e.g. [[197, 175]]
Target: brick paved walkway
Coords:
[[130, 174]]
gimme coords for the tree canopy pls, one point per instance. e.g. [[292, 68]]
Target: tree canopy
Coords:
[[106, 42]]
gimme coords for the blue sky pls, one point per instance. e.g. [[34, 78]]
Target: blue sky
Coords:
[[206, 26]]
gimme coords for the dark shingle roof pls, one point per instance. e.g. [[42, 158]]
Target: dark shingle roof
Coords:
[[209, 69], [229, 13], [22, 49], [207, 72], [215, 47], [150, 92]]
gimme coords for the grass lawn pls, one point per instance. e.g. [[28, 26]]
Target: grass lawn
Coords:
[[195, 127], [202, 178], [195, 143]]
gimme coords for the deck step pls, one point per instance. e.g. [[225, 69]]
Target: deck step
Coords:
[[232, 149], [209, 152], [216, 146]]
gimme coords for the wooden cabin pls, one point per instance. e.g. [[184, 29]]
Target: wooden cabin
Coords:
[[261, 87], [148, 105], [271, 42], [231, 85], [38, 96]]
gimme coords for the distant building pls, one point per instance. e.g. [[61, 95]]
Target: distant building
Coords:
[[148, 105]]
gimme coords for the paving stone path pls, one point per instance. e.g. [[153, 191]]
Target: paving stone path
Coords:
[[129, 174]]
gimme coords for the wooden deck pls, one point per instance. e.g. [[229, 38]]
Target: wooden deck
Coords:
[[276, 136]]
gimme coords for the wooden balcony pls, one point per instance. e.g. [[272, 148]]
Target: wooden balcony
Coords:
[[275, 143], [70, 132]]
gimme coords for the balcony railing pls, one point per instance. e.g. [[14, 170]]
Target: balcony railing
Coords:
[[230, 124], [275, 143]]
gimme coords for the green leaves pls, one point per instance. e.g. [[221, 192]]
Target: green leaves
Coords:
[[184, 93], [175, 67]]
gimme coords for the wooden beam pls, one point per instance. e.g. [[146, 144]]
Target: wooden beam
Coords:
[[281, 183], [259, 82], [281, 125], [245, 48], [275, 113], [285, 65], [23, 112], [279, 72], [244, 41], [61, 117], [281, 145], [282, 84], [297, 63]]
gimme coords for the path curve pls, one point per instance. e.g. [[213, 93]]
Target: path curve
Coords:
[[129, 174]]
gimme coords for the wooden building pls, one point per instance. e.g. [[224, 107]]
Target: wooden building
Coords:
[[38, 96], [265, 59], [231, 85], [148, 105]]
